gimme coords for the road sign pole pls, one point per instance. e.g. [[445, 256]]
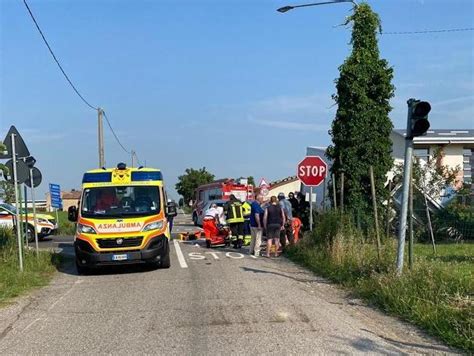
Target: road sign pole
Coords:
[[310, 208], [15, 183], [34, 211]]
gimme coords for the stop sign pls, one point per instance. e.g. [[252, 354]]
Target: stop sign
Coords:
[[312, 171]]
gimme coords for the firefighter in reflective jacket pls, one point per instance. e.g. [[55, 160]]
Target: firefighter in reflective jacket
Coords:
[[247, 208], [235, 219]]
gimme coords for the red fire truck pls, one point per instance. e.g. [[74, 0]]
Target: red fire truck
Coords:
[[220, 191]]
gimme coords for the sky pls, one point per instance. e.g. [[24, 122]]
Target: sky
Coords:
[[233, 86]]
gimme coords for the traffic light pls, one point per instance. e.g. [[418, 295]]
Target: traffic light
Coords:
[[418, 116]]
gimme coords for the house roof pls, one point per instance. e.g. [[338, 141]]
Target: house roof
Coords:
[[442, 136], [279, 183], [75, 194]]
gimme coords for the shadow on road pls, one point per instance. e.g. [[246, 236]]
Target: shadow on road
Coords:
[[66, 265]]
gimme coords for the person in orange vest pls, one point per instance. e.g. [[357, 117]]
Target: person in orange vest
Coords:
[[296, 224]]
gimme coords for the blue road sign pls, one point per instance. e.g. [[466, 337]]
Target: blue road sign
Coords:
[[55, 194]]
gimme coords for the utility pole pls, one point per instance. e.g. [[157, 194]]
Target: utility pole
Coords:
[[101, 138]]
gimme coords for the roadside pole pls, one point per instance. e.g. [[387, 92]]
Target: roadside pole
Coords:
[[57, 217], [341, 203], [410, 222], [25, 229], [34, 211], [374, 203], [402, 229], [15, 183], [311, 208], [334, 191], [100, 138]]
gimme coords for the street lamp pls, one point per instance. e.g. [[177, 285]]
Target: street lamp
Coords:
[[291, 7]]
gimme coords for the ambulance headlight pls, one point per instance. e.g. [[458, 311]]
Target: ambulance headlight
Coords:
[[85, 229], [155, 225]]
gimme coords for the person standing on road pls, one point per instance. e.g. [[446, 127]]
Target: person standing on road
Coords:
[[235, 219], [293, 201], [273, 221], [286, 235], [256, 226], [303, 211]]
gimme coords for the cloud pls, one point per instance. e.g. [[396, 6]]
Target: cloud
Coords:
[[460, 99], [301, 104], [40, 136], [290, 125]]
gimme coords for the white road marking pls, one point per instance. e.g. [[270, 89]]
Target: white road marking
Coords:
[[214, 254], [196, 256], [182, 261], [239, 255]]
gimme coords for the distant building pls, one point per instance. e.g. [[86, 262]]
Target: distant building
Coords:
[[457, 147], [70, 198]]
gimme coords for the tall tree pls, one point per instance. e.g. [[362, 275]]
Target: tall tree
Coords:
[[190, 180], [251, 180], [361, 129]]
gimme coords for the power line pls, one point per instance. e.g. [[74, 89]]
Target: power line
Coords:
[[55, 59], [70, 82], [115, 135], [429, 31]]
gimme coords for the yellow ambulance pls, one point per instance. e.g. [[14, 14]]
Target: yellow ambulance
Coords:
[[122, 218]]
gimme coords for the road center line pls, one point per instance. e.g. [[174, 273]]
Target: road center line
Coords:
[[182, 261]]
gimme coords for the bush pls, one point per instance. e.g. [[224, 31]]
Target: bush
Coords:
[[37, 269], [436, 294]]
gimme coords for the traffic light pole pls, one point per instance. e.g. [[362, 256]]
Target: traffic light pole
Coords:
[[405, 194]]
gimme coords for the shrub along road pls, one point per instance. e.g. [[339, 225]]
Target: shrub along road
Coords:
[[209, 302]]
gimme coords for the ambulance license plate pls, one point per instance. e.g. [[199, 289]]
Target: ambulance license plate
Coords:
[[120, 257]]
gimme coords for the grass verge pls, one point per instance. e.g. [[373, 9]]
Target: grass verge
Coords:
[[437, 294], [38, 270], [65, 226]]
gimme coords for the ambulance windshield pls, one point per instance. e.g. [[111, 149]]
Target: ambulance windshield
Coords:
[[119, 202]]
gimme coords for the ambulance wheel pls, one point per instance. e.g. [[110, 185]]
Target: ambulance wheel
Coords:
[[82, 270], [208, 243], [165, 257], [30, 236]]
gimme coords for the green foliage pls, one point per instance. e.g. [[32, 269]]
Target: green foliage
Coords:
[[37, 270], [7, 192], [66, 227], [430, 176], [455, 222], [436, 294], [251, 180], [193, 178], [361, 130]]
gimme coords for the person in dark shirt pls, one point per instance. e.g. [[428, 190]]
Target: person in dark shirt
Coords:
[[293, 201], [273, 221]]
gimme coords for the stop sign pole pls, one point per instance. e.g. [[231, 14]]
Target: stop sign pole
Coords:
[[312, 171]]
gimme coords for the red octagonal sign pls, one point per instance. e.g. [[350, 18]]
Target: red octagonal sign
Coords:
[[312, 171]]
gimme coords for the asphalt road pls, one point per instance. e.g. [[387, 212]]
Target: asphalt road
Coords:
[[209, 302]]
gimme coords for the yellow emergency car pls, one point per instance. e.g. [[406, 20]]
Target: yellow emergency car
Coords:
[[122, 218]]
